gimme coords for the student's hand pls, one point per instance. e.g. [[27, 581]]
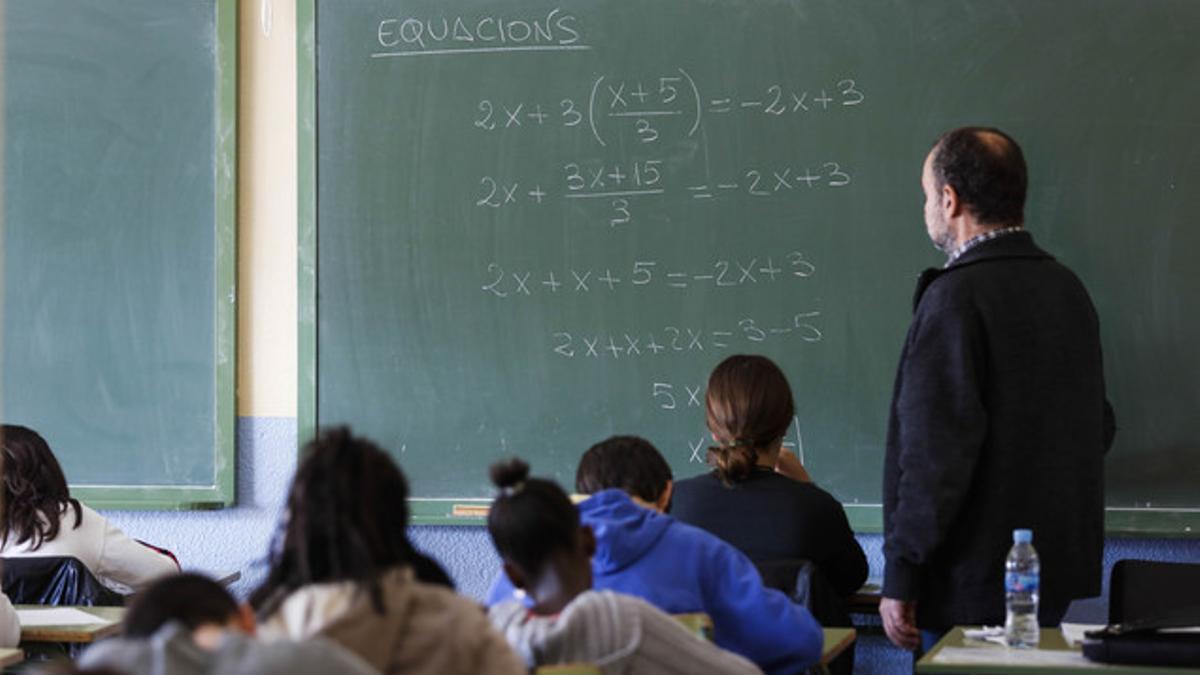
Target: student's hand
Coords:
[[789, 465], [900, 622]]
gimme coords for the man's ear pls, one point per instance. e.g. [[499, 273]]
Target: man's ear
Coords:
[[515, 576], [245, 620], [951, 205], [587, 540], [664, 499]]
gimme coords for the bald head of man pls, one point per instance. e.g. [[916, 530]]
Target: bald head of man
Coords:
[[974, 180]]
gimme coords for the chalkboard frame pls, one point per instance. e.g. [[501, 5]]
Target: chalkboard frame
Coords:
[[1140, 522], [221, 492]]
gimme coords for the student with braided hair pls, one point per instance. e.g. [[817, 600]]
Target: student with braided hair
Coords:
[[342, 568], [749, 409], [547, 554]]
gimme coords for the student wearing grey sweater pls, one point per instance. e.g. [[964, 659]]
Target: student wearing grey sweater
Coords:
[[188, 625]]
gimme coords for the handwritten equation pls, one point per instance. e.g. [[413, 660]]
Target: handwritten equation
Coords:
[[746, 333], [674, 103], [721, 273], [620, 184]]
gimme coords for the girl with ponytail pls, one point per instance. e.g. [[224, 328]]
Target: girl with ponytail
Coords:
[[749, 409]]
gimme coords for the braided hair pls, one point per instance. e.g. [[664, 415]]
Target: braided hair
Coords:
[[346, 520]]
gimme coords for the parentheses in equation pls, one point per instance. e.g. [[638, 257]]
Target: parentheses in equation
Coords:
[[696, 96], [592, 111]]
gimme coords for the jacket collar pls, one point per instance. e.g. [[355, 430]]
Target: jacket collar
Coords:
[[1010, 246]]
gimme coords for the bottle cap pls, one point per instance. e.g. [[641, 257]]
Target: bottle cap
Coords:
[[1022, 536]]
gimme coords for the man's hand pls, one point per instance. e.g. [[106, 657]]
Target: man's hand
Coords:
[[900, 622]]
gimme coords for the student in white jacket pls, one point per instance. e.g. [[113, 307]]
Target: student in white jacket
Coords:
[[40, 519], [10, 627]]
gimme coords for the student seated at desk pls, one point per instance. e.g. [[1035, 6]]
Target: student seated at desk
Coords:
[[187, 624], [40, 519], [547, 554], [677, 567], [749, 408], [342, 568]]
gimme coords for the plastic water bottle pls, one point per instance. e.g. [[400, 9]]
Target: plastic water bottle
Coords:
[[1021, 580]]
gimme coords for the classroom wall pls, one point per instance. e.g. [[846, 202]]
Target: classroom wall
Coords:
[[237, 538]]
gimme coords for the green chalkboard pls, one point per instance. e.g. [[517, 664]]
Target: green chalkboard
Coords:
[[526, 226], [118, 243]]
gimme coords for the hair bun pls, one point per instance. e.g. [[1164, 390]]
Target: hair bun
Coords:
[[733, 462], [509, 473]]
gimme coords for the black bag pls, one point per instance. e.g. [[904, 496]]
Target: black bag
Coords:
[[55, 580], [1164, 641]]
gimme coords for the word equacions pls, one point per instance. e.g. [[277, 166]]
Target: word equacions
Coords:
[[555, 29]]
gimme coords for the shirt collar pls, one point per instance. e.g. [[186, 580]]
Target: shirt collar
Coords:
[[979, 239]]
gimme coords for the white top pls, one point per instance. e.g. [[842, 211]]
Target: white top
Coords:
[[10, 627], [120, 563], [620, 634]]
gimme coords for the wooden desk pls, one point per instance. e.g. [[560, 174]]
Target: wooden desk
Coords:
[[865, 600], [987, 658], [698, 622], [837, 640], [108, 623], [9, 657]]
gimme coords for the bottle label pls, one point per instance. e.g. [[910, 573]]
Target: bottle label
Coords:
[[1015, 582]]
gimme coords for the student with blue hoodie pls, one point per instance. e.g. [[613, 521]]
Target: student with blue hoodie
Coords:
[[677, 567]]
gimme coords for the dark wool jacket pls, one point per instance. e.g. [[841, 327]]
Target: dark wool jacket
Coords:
[[999, 421]]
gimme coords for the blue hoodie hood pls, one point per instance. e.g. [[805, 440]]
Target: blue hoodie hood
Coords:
[[624, 531]]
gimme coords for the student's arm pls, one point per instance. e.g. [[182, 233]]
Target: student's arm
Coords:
[[789, 465], [129, 563], [760, 623], [10, 626], [941, 424], [845, 565], [669, 647]]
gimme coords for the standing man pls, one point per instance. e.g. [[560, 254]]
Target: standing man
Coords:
[[999, 418]]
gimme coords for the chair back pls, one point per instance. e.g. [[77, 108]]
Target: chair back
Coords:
[[1146, 590], [54, 580], [803, 582], [806, 585]]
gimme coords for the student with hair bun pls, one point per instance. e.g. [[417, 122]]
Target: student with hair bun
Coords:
[[547, 554], [676, 567], [749, 409]]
